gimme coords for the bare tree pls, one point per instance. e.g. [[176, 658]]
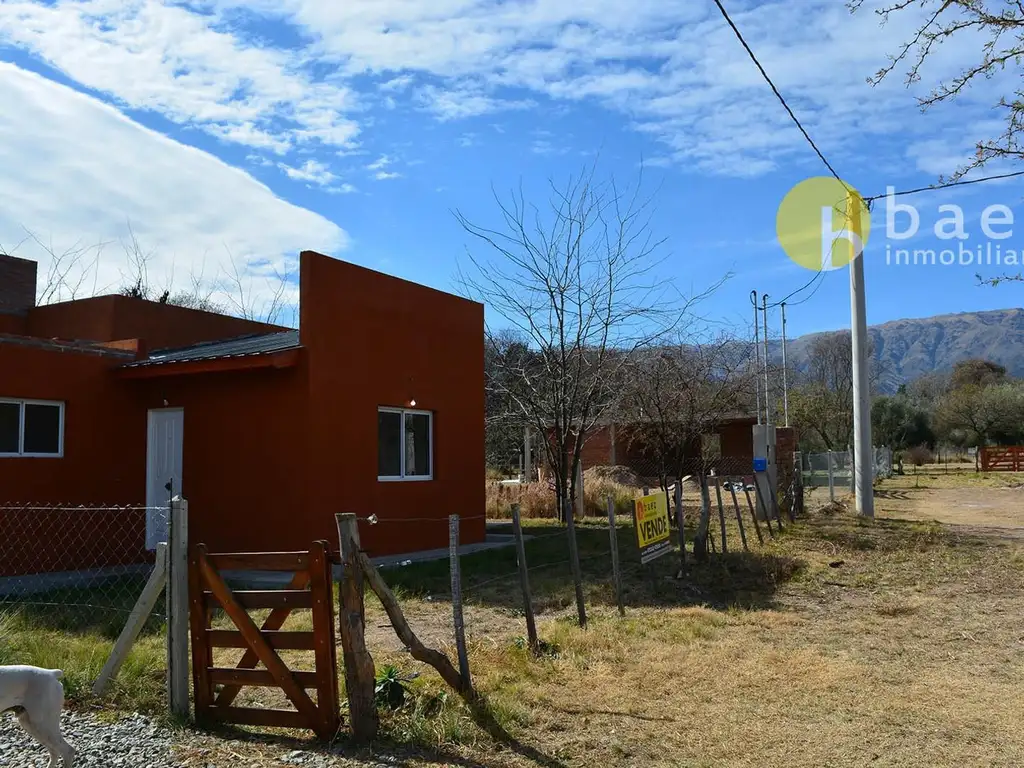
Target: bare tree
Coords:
[[239, 296], [575, 279], [821, 403], [674, 396], [68, 271], [247, 303], [1001, 31]]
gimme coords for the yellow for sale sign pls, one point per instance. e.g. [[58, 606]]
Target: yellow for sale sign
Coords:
[[652, 533]]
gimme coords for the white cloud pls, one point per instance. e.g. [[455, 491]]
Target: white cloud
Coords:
[[342, 189], [671, 68], [465, 100], [399, 83], [380, 163], [386, 175], [312, 171], [76, 170], [186, 66]]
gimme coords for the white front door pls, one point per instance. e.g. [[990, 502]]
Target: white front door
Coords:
[[163, 469]]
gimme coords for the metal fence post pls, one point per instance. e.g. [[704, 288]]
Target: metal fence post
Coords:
[[460, 625], [177, 609], [831, 479]]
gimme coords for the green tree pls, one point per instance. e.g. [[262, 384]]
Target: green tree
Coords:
[[898, 423], [976, 373], [984, 415]]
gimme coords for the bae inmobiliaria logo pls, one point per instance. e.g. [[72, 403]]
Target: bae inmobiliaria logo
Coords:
[[823, 224]]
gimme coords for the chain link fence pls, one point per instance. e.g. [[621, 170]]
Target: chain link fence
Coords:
[[76, 568], [817, 467]]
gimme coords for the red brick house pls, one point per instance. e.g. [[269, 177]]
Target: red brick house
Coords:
[[374, 405]]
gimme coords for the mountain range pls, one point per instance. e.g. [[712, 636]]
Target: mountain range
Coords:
[[906, 349]]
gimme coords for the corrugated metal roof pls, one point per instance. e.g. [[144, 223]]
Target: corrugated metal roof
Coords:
[[242, 346]]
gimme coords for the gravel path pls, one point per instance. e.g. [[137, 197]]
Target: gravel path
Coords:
[[131, 741]]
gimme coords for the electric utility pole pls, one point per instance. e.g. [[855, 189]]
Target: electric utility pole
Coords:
[[785, 369], [767, 391], [757, 355], [864, 464]]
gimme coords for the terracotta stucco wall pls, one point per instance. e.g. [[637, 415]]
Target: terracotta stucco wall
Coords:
[[374, 340], [244, 460], [14, 323], [110, 318], [103, 463]]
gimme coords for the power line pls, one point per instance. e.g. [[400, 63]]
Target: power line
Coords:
[[947, 185], [818, 277], [775, 90]]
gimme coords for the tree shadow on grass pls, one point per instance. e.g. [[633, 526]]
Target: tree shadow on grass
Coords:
[[491, 578]]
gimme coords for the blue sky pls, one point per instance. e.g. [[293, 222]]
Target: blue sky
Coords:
[[231, 135]]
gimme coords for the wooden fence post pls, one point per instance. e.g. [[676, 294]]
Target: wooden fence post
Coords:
[[753, 511], [456, 574], [524, 581], [136, 621], [574, 558], [721, 513], [681, 522], [613, 533], [320, 584], [739, 518], [359, 671], [739, 514], [177, 609]]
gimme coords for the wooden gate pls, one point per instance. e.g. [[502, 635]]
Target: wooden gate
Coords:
[[310, 589], [1009, 459]]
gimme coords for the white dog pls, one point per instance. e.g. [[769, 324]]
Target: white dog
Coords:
[[36, 696]]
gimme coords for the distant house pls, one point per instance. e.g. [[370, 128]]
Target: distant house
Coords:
[[616, 444], [375, 405]]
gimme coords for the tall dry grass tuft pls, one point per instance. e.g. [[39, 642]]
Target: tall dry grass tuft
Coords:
[[537, 500]]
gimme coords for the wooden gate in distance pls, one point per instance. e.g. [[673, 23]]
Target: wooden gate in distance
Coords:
[[1009, 459], [309, 589]]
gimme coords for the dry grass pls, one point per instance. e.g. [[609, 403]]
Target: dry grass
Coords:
[[536, 500], [844, 643]]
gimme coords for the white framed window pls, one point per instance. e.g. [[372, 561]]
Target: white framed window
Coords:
[[405, 444], [31, 428]]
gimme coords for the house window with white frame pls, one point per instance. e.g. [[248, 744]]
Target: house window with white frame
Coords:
[[405, 444], [31, 428]]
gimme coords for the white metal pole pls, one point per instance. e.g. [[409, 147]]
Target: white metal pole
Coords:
[[862, 464], [527, 455], [785, 369], [767, 396], [757, 355]]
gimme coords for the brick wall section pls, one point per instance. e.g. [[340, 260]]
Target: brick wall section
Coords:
[[17, 284], [785, 447]]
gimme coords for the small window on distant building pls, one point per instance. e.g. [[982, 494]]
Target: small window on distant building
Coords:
[[31, 428], [405, 448]]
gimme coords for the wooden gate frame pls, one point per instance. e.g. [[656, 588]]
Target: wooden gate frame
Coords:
[[1002, 459], [310, 588]]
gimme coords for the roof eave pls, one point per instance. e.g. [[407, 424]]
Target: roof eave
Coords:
[[287, 358]]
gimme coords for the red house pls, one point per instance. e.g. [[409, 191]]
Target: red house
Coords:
[[375, 405]]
